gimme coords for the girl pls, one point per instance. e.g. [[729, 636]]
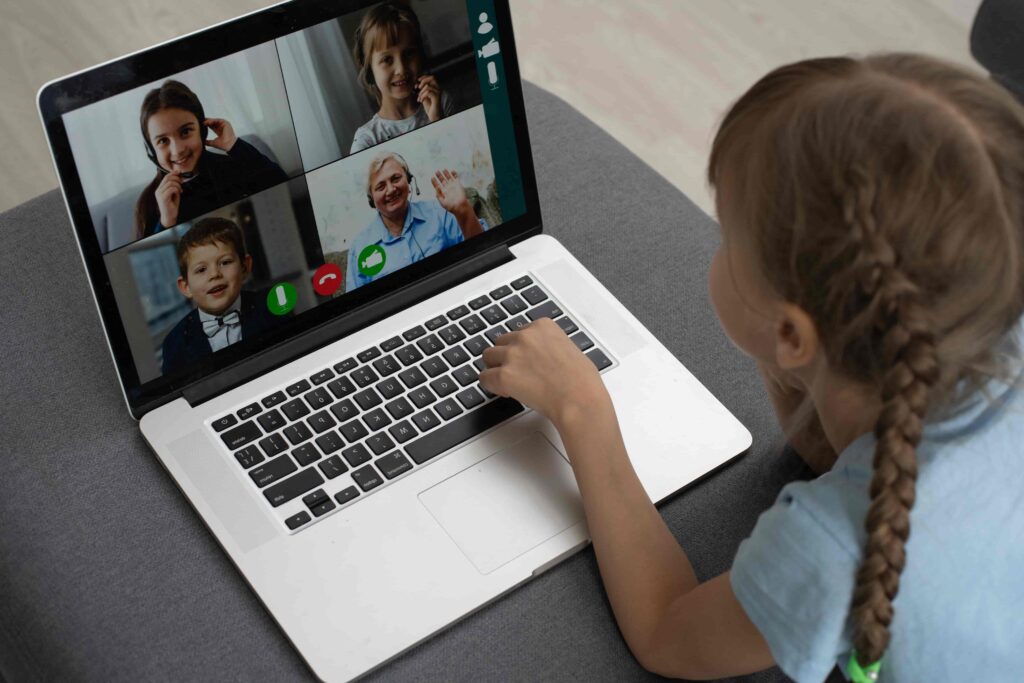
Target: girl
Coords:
[[872, 218], [190, 182], [389, 55]]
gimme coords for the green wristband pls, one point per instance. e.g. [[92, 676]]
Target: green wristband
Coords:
[[868, 674]]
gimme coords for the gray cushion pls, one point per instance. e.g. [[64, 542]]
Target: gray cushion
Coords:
[[107, 574]]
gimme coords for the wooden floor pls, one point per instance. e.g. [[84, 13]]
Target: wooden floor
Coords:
[[656, 74]]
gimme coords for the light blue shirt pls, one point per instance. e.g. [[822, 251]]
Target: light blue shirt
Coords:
[[959, 612], [428, 229]]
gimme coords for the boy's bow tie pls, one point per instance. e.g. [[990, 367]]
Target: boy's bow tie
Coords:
[[212, 327]]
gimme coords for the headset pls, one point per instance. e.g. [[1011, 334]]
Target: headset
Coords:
[[409, 177], [151, 153]]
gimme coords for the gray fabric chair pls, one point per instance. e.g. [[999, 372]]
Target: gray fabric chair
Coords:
[[997, 42], [107, 574]]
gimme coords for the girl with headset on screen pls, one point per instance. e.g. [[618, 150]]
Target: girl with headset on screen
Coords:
[[872, 221], [405, 231], [189, 180]]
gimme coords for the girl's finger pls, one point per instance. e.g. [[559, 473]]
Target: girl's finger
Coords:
[[492, 379], [495, 355]]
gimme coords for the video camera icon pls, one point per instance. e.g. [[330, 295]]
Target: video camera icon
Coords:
[[489, 49]]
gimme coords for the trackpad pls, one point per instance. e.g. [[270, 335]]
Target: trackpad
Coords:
[[508, 503]]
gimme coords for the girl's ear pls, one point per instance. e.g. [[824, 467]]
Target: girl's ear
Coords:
[[796, 338]]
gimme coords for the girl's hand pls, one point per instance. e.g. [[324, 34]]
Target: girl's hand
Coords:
[[430, 97], [226, 137], [168, 198], [541, 367]]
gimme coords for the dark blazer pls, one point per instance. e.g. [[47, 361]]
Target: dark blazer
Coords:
[[186, 343]]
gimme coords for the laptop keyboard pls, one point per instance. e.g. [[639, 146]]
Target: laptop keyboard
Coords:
[[349, 429]]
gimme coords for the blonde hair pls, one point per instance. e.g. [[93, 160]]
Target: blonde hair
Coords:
[[885, 197], [378, 162], [384, 21]]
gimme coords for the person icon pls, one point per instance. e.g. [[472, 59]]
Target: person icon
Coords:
[[485, 26]]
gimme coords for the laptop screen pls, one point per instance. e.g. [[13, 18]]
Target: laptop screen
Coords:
[[234, 198]]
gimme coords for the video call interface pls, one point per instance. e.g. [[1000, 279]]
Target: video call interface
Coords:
[[236, 195]]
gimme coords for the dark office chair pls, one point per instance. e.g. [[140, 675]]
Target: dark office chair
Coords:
[[997, 42]]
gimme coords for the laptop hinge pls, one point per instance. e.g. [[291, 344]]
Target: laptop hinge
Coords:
[[353, 321]]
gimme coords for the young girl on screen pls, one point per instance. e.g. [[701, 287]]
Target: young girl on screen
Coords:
[[872, 215], [189, 180], [388, 51]]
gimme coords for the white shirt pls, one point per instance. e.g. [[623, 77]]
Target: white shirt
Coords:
[[228, 334], [378, 130]]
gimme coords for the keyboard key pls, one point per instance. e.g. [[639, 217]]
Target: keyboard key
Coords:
[[356, 455], [399, 408], [456, 356], [409, 355], [470, 398], [368, 355], [402, 432], [390, 388], [323, 508], [426, 419], [448, 409], [386, 366], [376, 419], [297, 433], [367, 399], [443, 386], [582, 341], [414, 333], [378, 443], [393, 464], [430, 345], [495, 332], [437, 322], [223, 423], [332, 467], [364, 376], [319, 398], [433, 366], [297, 520], [457, 313], [517, 323], [248, 411], [271, 421], [249, 456], [345, 495], [242, 435], [282, 492], [568, 326], [273, 470], [306, 455], [548, 309], [476, 345], [479, 302], [321, 422], [341, 387], [330, 442], [422, 397], [273, 399], [501, 292], [353, 431], [345, 410], [598, 358], [322, 376], [389, 345], [522, 282], [345, 365], [472, 324], [315, 498], [534, 295], [367, 478], [493, 315], [513, 305], [273, 444], [465, 375], [297, 388], [413, 377], [295, 409], [454, 433]]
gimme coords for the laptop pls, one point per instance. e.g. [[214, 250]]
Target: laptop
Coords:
[[302, 228]]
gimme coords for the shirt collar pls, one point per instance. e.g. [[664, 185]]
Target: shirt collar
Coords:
[[235, 306], [414, 213]]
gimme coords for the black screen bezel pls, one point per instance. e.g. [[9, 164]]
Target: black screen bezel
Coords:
[[109, 79]]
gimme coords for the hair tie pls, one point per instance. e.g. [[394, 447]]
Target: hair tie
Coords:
[[858, 674]]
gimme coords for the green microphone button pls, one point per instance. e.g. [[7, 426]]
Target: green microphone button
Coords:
[[281, 298]]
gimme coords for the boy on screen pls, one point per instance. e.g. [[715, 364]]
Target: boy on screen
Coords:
[[214, 264]]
